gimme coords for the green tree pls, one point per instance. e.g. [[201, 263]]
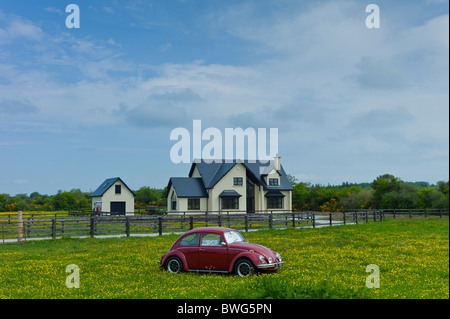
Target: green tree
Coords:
[[64, 201], [292, 179], [382, 185], [300, 196], [362, 199], [146, 195], [5, 200], [443, 187], [428, 197]]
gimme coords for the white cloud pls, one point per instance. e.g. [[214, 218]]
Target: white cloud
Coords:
[[108, 9], [54, 10], [17, 28]]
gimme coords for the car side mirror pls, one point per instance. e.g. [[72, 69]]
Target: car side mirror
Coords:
[[223, 244]]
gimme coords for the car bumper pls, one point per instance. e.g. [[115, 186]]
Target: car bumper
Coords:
[[272, 265]]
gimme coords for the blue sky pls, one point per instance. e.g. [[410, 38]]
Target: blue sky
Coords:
[[350, 103]]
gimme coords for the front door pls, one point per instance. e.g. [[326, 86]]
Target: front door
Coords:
[[211, 254]]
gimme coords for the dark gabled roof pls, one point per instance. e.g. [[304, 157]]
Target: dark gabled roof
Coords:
[[187, 187], [211, 173], [106, 185]]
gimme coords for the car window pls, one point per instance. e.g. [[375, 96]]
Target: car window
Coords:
[[190, 240], [211, 240], [233, 237]]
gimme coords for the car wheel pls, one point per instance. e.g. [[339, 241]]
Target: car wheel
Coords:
[[174, 265], [244, 268]]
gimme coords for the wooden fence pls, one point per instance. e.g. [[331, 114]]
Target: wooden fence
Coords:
[[58, 226]]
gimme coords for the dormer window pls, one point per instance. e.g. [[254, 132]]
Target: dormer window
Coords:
[[118, 189], [273, 182]]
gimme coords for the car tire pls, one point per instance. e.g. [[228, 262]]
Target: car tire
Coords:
[[174, 265], [244, 268]]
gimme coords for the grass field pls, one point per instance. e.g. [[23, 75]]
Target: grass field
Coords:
[[330, 262]]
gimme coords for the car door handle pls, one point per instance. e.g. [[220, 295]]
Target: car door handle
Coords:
[[201, 249]]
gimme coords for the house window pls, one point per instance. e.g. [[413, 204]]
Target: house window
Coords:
[[118, 189], [193, 203], [273, 181], [274, 202], [237, 181], [230, 203]]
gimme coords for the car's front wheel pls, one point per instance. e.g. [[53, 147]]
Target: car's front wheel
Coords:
[[244, 268], [174, 265]]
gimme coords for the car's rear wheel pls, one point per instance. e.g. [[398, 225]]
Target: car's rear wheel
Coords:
[[174, 265], [244, 268]]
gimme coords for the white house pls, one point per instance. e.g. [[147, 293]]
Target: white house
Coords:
[[113, 196], [232, 186]]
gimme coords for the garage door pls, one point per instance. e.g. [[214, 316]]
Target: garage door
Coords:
[[117, 208]]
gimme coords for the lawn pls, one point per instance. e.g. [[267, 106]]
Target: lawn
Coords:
[[330, 262]]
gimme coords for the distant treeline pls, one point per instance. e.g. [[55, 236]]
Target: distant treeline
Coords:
[[72, 200], [386, 191]]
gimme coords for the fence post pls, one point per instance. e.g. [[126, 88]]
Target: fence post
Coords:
[[246, 223], [293, 220], [356, 217], [343, 214], [219, 219], [367, 219], [92, 226], [425, 213], [127, 226], [394, 213], [28, 228], [19, 227], [314, 220], [53, 228], [159, 225], [191, 222], [331, 220], [270, 221], [440, 213]]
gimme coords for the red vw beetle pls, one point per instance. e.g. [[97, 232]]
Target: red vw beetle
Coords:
[[218, 249]]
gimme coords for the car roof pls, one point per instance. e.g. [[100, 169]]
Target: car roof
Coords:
[[214, 230]]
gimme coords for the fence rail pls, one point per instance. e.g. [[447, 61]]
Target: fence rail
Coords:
[[58, 226]]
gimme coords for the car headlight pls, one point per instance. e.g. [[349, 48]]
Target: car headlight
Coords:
[[261, 259], [278, 257]]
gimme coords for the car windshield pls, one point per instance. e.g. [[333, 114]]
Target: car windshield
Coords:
[[233, 237]]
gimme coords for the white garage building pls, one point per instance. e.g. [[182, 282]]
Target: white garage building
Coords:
[[113, 196]]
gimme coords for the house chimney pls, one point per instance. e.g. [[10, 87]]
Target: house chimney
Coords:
[[277, 162]]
